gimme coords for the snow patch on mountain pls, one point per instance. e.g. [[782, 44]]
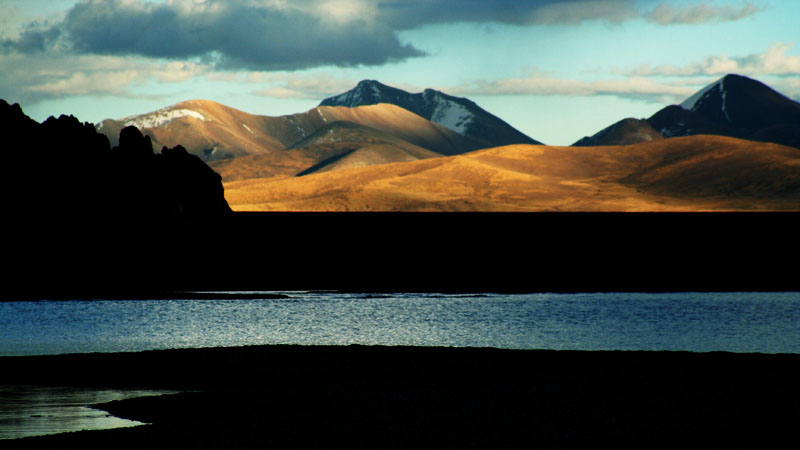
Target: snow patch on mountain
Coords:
[[690, 102], [725, 102], [299, 129], [353, 97], [452, 115], [160, 118]]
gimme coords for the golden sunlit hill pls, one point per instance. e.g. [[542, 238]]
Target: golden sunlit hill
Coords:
[[216, 133], [694, 173]]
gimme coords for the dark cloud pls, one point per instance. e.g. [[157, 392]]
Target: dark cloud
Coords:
[[299, 34], [36, 37], [406, 14], [235, 35]]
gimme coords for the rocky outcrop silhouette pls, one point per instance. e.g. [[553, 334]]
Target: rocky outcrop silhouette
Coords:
[[172, 183], [63, 170], [82, 218]]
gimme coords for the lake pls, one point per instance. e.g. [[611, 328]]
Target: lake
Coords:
[[699, 322], [689, 321]]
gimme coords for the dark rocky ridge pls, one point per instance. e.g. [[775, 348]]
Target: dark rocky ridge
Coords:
[[433, 105]]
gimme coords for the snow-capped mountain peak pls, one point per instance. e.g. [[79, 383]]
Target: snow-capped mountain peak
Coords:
[[366, 92], [691, 102], [458, 114], [736, 106], [161, 117]]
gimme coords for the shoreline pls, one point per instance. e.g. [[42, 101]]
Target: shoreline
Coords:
[[289, 294], [299, 396]]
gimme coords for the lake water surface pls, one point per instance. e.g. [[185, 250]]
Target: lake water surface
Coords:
[[734, 322], [700, 322]]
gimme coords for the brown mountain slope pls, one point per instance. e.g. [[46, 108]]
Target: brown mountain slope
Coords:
[[343, 145], [680, 174], [332, 147], [210, 130], [394, 121], [214, 131]]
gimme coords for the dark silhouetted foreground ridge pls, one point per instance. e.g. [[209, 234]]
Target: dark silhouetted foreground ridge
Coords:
[[66, 170]]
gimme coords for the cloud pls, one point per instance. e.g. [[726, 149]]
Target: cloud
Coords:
[[666, 14], [637, 88], [300, 34], [774, 61], [48, 75], [789, 87], [254, 35], [34, 37], [310, 87], [407, 14]]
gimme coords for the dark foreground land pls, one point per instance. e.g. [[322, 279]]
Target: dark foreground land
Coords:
[[397, 397], [369, 252]]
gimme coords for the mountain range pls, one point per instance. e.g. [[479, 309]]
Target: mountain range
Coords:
[[235, 141], [731, 146], [458, 114]]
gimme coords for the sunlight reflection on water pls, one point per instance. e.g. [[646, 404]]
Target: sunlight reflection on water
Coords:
[[738, 322], [40, 410]]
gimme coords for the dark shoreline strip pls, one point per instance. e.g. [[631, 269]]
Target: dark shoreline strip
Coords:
[[415, 252], [431, 397]]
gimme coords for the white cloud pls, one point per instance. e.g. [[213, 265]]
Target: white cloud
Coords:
[[774, 61], [639, 88], [312, 86], [30, 78]]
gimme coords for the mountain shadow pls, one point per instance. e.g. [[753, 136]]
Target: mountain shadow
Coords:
[[625, 132]]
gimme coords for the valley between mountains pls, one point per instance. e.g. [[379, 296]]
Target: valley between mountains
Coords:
[[733, 146]]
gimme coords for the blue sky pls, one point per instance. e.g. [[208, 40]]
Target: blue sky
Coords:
[[555, 69]]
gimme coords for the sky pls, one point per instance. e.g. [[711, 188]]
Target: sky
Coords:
[[557, 70]]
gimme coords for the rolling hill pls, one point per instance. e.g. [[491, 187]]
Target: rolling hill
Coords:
[[337, 145], [695, 173]]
